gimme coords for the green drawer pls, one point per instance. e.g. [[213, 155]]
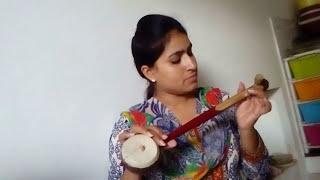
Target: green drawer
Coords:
[[305, 66]]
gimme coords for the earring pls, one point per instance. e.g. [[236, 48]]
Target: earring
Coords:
[[153, 80]]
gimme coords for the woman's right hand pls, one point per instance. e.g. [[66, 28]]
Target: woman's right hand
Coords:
[[153, 132]]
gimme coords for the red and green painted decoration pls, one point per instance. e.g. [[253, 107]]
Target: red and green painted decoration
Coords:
[[138, 118], [210, 96]]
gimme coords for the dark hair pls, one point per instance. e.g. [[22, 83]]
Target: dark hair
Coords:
[[149, 41]]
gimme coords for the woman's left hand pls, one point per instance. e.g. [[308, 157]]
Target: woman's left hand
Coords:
[[249, 110]]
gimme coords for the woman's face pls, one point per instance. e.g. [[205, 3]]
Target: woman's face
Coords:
[[175, 71]]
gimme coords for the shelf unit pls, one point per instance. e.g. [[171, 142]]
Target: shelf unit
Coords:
[[284, 31], [297, 102]]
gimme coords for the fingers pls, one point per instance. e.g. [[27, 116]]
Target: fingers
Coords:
[[157, 131], [246, 108], [153, 132], [259, 106], [159, 138], [171, 144], [124, 136], [157, 135], [268, 106], [253, 107], [140, 130], [257, 93], [263, 104], [262, 99], [241, 87]]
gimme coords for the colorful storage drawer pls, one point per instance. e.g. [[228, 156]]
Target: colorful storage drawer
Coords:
[[305, 66], [312, 134], [308, 89], [310, 112]]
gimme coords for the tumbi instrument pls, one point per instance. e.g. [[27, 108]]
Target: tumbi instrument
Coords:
[[140, 151]]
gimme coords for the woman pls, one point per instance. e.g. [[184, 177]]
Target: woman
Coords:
[[225, 147]]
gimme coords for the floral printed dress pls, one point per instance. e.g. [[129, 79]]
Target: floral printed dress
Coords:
[[210, 151]]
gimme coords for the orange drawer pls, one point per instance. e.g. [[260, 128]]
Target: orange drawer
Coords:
[[308, 89]]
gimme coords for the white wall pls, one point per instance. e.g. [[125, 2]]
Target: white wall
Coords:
[[66, 72]]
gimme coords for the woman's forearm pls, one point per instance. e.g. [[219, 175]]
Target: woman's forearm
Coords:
[[252, 147], [249, 140]]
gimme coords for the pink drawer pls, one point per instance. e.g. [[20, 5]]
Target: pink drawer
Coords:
[[312, 133]]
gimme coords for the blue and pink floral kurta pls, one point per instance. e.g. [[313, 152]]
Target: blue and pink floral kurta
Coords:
[[211, 151]]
